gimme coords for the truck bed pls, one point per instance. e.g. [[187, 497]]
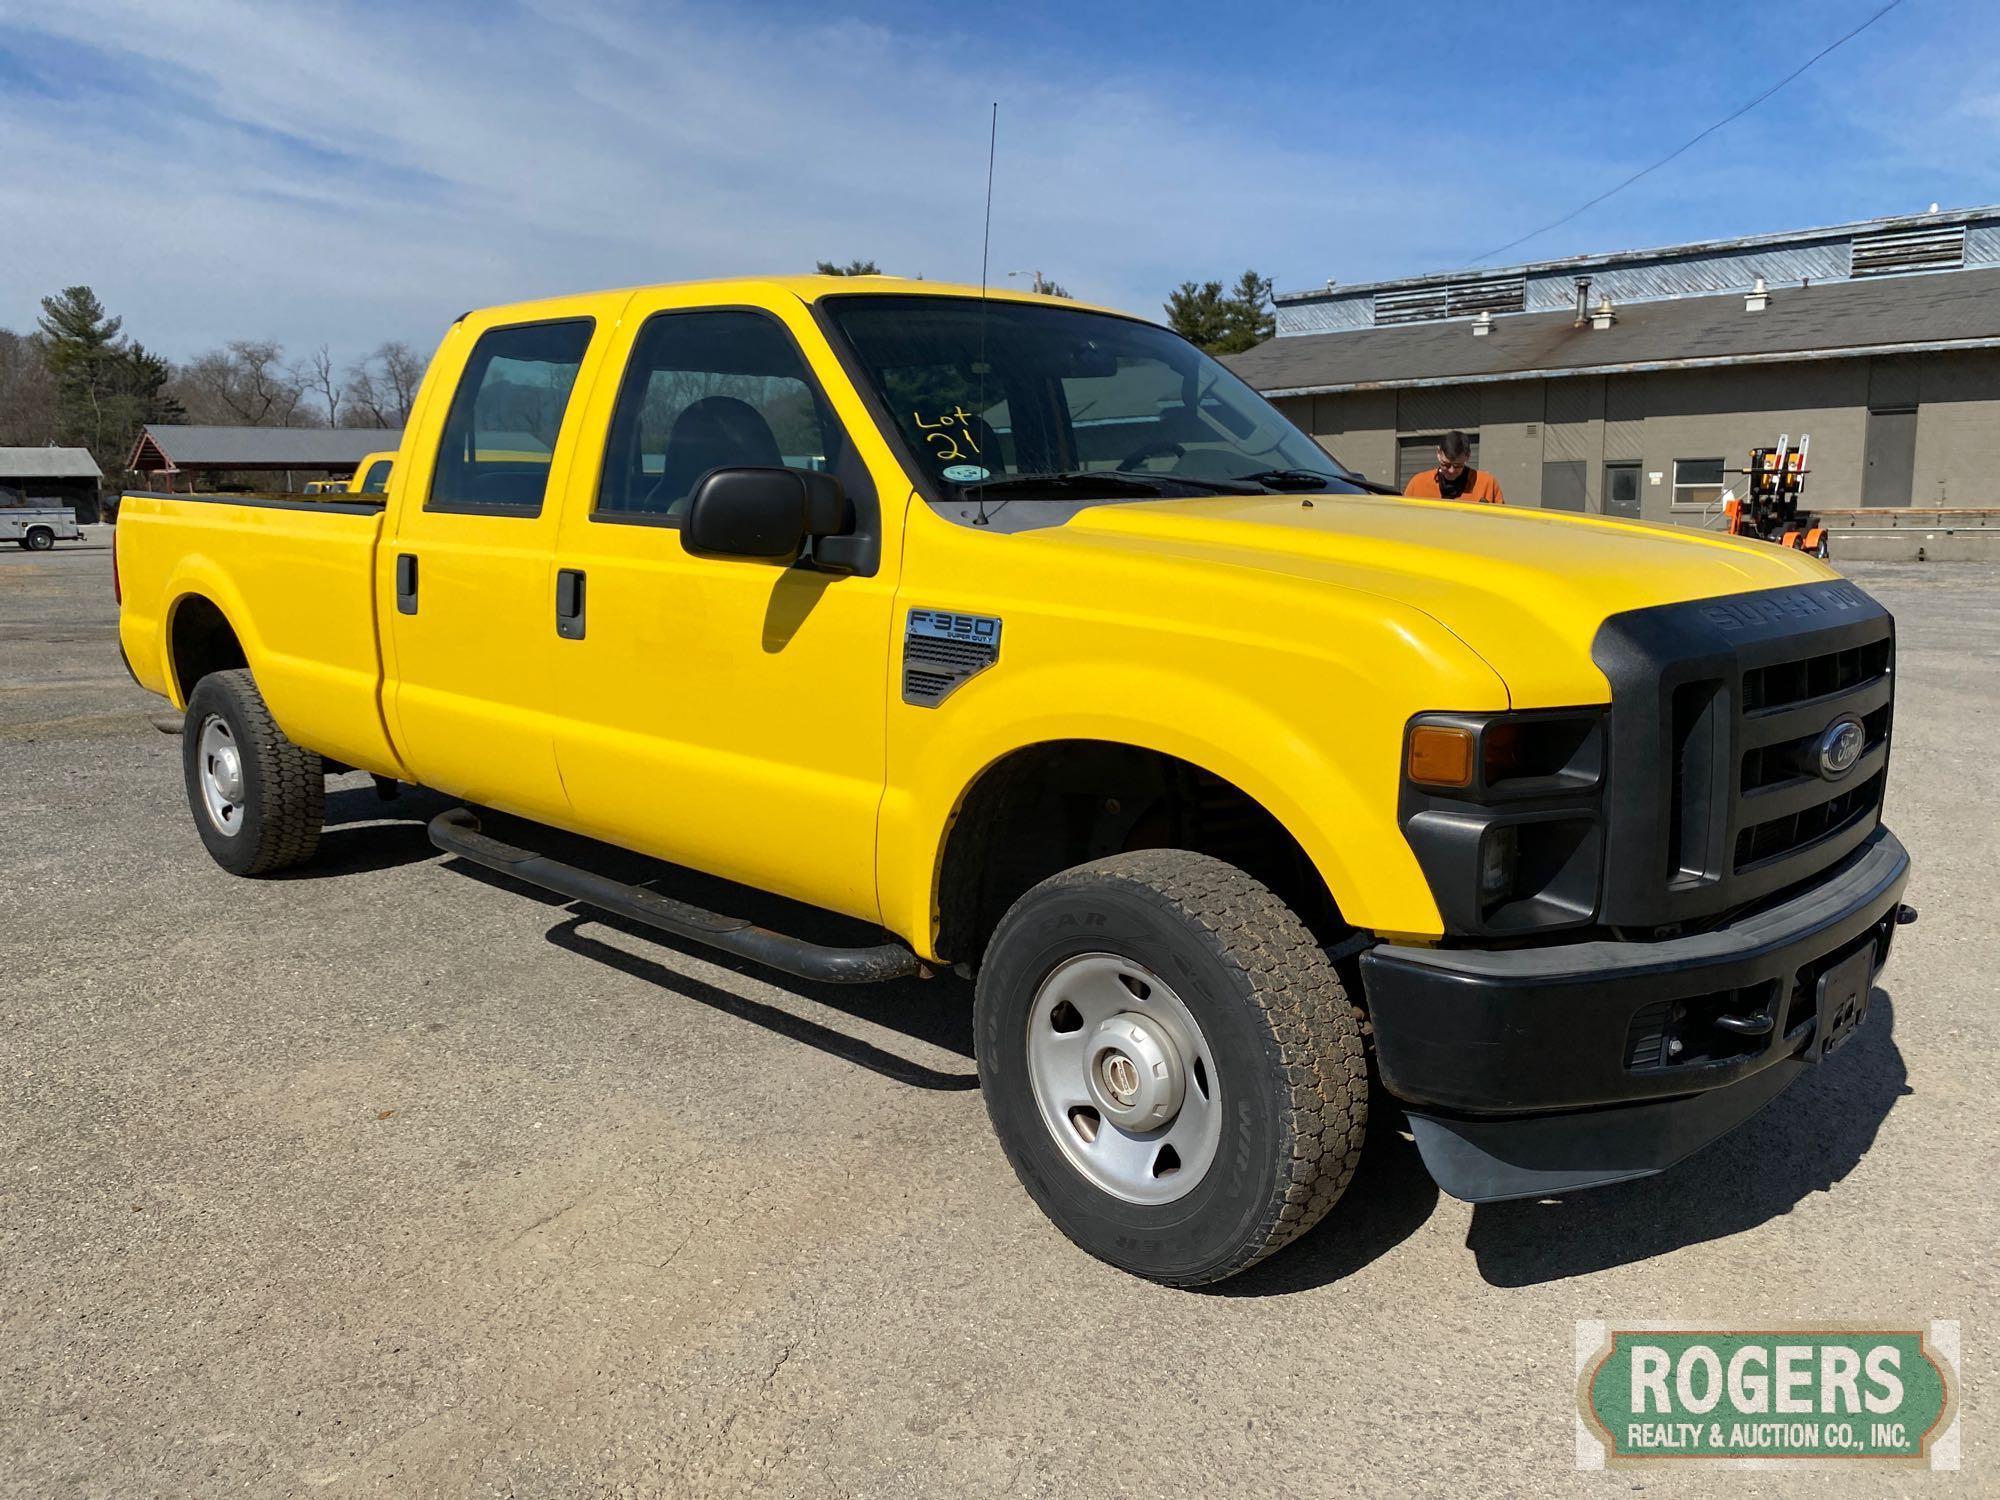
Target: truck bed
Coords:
[[293, 578]]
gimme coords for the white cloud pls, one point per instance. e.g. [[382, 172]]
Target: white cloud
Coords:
[[336, 174]]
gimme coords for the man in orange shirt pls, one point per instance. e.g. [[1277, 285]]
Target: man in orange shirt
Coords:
[[1454, 478]]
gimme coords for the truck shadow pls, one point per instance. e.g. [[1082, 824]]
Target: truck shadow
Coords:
[[936, 1012], [1806, 1140], [915, 1008], [362, 832], [1390, 1199]]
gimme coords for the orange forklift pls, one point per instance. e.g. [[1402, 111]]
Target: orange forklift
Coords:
[[1769, 510]]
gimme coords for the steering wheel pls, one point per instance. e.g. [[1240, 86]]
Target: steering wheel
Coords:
[[1154, 449]]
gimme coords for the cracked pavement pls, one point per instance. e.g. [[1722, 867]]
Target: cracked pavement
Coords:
[[392, 1178]]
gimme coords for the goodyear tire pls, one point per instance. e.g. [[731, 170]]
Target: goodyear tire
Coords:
[[258, 799], [1171, 1064]]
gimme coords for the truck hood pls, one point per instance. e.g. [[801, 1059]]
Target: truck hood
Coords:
[[1525, 589]]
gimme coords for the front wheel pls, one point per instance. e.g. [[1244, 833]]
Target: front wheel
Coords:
[[258, 799], [1171, 1064]]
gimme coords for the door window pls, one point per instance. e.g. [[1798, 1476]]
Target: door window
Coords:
[[702, 391], [500, 435]]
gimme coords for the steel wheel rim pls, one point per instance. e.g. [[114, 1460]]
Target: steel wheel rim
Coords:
[[1123, 1078], [221, 765]]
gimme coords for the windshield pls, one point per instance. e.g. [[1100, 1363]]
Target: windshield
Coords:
[[1001, 401]]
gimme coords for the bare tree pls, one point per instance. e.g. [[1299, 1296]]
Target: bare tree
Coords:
[[27, 391], [382, 388], [246, 383], [315, 373], [405, 371]]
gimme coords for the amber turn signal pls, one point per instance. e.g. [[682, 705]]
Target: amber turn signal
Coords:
[[1441, 755]]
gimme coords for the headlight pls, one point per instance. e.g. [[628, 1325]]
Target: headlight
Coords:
[[1502, 812]]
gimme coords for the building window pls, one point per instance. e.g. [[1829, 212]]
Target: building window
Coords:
[[1697, 483]]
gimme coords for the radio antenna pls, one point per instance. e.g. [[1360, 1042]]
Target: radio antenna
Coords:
[[985, 245]]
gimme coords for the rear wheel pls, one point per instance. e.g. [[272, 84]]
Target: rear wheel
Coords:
[[1171, 1064], [39, 539], [258, 799]]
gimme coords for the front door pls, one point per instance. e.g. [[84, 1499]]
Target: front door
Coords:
[[721, 713], [1621, 490], [465, 581], [1889, 458]]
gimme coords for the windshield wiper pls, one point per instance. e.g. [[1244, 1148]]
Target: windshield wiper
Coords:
[[1067, 479], [1304, 479], [1296, 479]]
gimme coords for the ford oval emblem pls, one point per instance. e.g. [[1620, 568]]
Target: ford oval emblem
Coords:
[[1840, 746]]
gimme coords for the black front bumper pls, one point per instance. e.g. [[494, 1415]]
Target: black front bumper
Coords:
[[1536, 1070]]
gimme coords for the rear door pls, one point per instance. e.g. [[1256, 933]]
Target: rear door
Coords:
[[726, 714], [465, 582]]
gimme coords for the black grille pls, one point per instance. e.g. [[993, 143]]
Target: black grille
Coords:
[[1785, 835], [1783, 805], [1791, 762], [1714, 794], [1787, 682]]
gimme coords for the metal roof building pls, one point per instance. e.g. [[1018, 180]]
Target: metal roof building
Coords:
[[61, 476], [166, 450], [19, 465], [1629, 383]]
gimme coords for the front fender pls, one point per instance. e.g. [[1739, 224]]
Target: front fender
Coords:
[[1335, 793]]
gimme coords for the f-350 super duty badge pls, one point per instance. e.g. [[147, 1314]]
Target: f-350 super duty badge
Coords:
[[942, 649]]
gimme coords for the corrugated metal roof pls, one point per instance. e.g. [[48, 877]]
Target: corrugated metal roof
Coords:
[[1960, 310], [269, 447], [1692, 249], [48, 463]]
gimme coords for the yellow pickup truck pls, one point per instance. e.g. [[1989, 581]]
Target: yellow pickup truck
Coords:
[[1027, 635], [371, 475]]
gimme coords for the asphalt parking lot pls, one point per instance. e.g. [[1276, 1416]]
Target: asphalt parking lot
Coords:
[[392, 1179]]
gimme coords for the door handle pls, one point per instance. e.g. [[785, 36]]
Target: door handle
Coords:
[[406, 583], [569, 604]]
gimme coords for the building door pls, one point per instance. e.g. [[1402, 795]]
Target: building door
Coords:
[[1889, 464], [1621, 490]]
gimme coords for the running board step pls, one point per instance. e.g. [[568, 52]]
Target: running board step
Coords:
[[457, 832]]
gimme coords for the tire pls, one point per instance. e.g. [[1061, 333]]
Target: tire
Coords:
[[1288, 1085], [39, 539], [258, 800]]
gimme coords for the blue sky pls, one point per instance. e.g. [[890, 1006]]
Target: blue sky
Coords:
[[348, 173]]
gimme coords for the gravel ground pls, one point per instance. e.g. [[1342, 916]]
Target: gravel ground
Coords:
[[393, 1179]]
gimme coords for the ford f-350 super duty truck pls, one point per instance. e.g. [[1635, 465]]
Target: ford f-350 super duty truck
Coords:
[[1028, 635]]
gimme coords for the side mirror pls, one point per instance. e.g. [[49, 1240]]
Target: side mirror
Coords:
[[766, 514]]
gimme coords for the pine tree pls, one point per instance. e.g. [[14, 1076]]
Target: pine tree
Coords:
[[1250, 318], [1223, 322], [1199, 313], [106, 386]]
